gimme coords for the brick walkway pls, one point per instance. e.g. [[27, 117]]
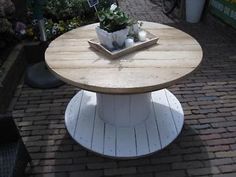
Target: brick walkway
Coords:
[[206, 146]]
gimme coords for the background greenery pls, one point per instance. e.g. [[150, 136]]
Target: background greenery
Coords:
[[63, 15]]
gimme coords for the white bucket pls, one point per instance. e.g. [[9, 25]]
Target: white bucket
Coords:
[[194, 10]]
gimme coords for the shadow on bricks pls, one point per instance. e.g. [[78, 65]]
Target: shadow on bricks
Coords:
[[186, 156]]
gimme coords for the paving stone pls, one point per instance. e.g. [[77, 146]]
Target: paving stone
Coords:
[[45, 132], [231, 129], [40, 143], [179, 173], [54, 137], [228, 168], [60, 168], [86, 174], [210, 120], [226, 154], [210, 136], [223, 161], [128, 163], [228, 135], [70, 154], [221, 141], [52, 175], [153, 168], [225, 175], [119, 171], [56, 148], [32, 138], [104, 165], [49, 155], [168, 159], [212, 131], [199, 156], [139, 175], [33, 149], [34, 127], [187, 165], [52, 162], [233, 146], [224, 124], [203, 171], [182, 151]]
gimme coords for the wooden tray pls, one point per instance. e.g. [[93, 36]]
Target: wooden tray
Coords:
[[150, 40]]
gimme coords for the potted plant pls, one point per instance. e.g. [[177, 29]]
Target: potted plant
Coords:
[[114, 27]]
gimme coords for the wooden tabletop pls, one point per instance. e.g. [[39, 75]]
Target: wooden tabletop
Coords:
[[176, 55]]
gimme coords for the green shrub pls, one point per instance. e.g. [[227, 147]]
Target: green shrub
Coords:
[[66, 9], [62, 15]]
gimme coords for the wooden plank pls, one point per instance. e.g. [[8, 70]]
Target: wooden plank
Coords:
[[110, 140], [164, 118], [142, 139], [72, 112], [143, 82], [98, 135], [154, 63], [176, 110], [153, 132], [84, 127], [147, 55], [126, 146], [71, 48], [173, 47], [69, 42]]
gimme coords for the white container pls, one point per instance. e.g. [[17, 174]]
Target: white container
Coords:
[[194, 10], [142, 36], [108, 39], [129, 42]]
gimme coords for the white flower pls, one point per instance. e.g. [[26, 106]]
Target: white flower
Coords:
[[113, 7], [54, 31], [22, 32], [48, 31]]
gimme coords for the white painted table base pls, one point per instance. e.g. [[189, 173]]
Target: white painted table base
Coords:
[[125, 126]]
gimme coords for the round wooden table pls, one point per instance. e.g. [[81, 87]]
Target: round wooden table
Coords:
[[119, 113]]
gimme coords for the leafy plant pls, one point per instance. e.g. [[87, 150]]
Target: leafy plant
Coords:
[[67, 9], [53, 29], [61, 16], [113, 19], [7, 35]]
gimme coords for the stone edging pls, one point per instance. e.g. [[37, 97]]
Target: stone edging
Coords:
[[13, 68]]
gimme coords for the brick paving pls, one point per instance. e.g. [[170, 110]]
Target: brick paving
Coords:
[[206, 146]]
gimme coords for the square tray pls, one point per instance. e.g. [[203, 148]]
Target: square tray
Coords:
[[150, 40]]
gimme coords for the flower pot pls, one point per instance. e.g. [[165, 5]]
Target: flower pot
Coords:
[[112, 40], [194, 10]]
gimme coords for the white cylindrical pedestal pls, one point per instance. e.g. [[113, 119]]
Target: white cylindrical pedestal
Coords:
[[194, 10], [123, 110], [100, 122]]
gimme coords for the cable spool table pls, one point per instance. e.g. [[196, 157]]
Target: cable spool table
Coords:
[[124, 110]]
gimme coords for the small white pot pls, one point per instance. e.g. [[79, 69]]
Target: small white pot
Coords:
[[194, 10], [129, 42], [108, 39]]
